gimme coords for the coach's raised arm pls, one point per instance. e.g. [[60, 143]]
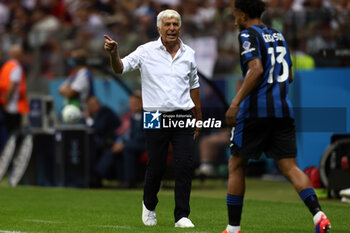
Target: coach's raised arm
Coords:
[[111, 47]]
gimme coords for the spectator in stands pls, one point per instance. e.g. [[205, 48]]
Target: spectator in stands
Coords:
[[321, 23], [130, 143], [89, 21], [341, 27], [119, 158], [4, 16], [318, 16], [44, 26], [101, 118], [104, 122], [58, 8], [79, 86]]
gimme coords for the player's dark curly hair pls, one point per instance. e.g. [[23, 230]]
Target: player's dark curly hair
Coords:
[[253, 8]]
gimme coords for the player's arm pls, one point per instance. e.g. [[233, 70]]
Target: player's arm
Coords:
[[291, 77], [111, 47], [255, 70], [67, 92], [252, 77], [194, 93]]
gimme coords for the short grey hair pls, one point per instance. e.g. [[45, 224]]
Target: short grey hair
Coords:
[[167, 14]]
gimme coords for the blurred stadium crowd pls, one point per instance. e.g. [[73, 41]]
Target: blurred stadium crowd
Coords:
[[50, 29]]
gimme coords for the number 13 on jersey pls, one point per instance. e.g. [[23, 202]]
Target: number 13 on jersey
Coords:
[[281, 52]]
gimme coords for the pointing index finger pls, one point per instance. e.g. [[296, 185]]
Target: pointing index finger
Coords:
[[107, 37]]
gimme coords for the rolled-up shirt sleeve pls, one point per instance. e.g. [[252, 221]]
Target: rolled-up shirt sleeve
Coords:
[[194, 79], [132, 61]]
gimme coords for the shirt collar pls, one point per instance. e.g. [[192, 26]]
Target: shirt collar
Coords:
[[161, 46]]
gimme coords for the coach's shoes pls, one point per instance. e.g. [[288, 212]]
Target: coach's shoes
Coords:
[[184, 223], [148, 216], [322, 224], [232, 229]]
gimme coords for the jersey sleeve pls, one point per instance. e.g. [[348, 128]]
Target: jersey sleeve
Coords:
[[249, 46]]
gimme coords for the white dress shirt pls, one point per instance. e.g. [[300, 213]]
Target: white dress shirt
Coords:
[[166, 82]]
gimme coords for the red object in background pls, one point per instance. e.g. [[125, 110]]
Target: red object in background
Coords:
[[314, 176], [59, 10], [344, 162]]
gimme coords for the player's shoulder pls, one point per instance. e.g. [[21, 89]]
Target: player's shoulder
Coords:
[[82, 73], [245, 34], [248, 34]]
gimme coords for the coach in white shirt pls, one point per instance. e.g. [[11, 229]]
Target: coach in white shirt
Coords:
[[169, 85]]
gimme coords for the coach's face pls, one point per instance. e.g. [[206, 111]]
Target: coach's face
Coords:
[[170, 30], [240, 19]]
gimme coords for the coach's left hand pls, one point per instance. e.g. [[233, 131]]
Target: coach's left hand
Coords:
[[231, 115], [196, 133]]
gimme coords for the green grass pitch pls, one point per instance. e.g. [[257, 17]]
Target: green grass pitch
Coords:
[[269, 207]]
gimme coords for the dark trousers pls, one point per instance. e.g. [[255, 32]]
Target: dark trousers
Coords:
[[13, 122], [9, 124], [3, 130], [157, 141]]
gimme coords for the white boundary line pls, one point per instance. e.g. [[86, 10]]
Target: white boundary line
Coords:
[[112, 226], [195, 232], [3, 231], [40, 221]]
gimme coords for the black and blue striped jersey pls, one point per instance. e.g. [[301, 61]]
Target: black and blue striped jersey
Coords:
[[270, 97]]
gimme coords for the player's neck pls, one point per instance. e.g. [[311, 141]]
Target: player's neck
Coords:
[[253, 22]]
